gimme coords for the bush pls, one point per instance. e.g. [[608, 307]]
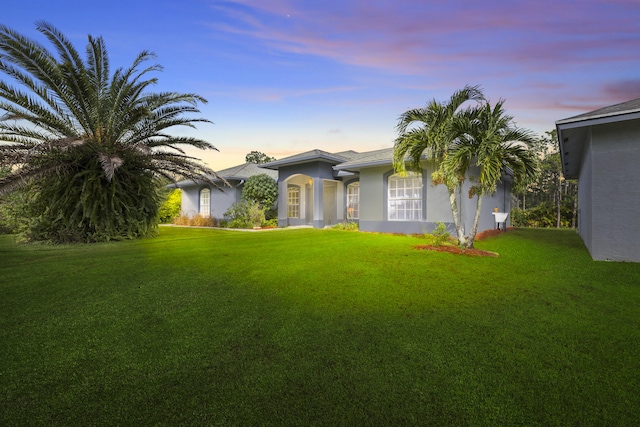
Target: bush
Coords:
[[439, 236], [263, 190], [12, 209], [347, 225], [270, 223], [170, 208], [245, 214], [195, 221]]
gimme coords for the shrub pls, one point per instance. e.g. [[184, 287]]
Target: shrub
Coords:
[[270, 223], [347, 225], [244, 215], [195, 221], [263, 190], [170, 208], [439, 236]]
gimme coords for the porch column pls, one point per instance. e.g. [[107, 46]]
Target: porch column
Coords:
[[318, 205], [283, 220]]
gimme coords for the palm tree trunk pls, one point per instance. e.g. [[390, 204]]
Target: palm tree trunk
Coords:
[[476, 222], [456, 215]]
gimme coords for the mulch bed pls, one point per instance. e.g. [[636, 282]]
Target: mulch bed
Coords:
[[457, 250], [452, 249]]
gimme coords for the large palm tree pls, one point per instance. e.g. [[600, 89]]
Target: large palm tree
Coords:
[[427, 133], [487, 139], [90, 144]]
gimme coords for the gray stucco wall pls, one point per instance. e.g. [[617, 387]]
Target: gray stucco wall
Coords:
[[615, 191], [373, 201], [501, 200], [221, 201], [190, 201], [585, 218]]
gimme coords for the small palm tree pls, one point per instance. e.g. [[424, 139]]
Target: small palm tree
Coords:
[[89, 144], [486, 138], [427, 133]]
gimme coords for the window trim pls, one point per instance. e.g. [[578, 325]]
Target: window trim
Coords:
[[387, 199], [354, 184], [290, 188], [207, 203]]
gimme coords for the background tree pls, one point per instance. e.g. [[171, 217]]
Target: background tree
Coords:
[[550, 200], [90, 143], [258, 158], [428, 132]]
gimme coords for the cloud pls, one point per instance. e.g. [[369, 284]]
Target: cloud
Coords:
[[622, 90], [277, 94], [420, 37]]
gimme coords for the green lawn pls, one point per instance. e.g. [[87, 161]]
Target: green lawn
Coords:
[[317, 327]]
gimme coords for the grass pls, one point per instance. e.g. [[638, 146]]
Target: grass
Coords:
[[317, 327]]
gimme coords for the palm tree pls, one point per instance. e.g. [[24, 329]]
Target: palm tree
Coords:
[[90, 145], [487, 139], [427, 133]]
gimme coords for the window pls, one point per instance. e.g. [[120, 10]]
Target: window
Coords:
[[405, 198], [205, 202], [353, 201], [293, 202]]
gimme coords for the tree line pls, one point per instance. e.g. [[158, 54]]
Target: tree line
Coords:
[[549, 200]]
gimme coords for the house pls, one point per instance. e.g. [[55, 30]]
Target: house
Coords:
[[601, 148], [319, 189], [206, 200]]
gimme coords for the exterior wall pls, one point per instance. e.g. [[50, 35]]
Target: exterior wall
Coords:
[[371, 195], [306, 201], [221, 201], [190, 201], [436, 207], [501, 199], [585, 217], [615, 202], [311, 195]]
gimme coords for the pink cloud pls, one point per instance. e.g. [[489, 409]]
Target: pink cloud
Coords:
[[418, 37]]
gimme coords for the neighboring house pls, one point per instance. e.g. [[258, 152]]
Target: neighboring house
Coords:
[[602, 149], [206, 200], [319, 189]]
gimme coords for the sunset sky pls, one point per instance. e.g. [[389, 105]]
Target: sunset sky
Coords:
[[286, 76]]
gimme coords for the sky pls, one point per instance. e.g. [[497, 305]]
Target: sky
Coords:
[[288, 76]]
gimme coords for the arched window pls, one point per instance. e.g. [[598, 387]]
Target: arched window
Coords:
[[205, 202], [404, 201], [353, 200], [293, 202]]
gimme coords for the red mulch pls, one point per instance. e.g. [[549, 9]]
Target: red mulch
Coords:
[[469, 252], [457, 250]]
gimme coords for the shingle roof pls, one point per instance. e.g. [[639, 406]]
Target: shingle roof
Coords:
[[367, 159], [237, 173], [342, 161], [245, 171], [628, 107], [573, 132], [307, 156]]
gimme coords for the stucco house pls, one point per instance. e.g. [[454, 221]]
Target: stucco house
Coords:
[[206, 200], [601, 149], [319, 189]]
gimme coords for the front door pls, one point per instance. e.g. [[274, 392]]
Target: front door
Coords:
[[329, 203], [308, 212]]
